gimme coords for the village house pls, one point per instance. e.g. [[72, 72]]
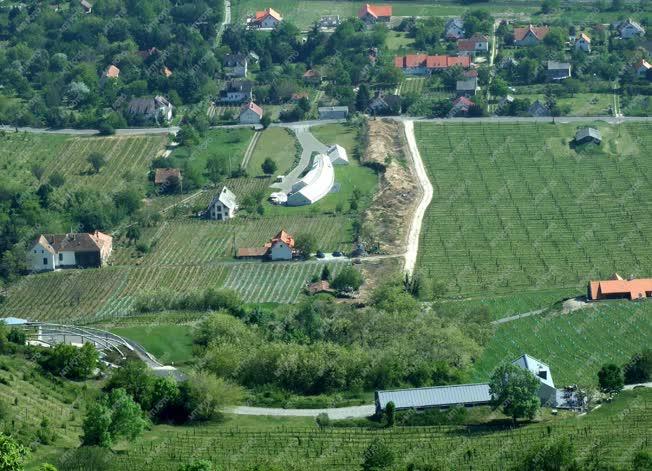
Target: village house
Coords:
[[111, 72], [467, 87], [250, 113], [267, 19], [312, 76], [619, 288], [385, 104], [88, 8], [530, 35], [461, 107], [75, 250], [641, 68], [422, 64], [236, 64], [157, 108], [538, 109], [583, 43], [371, 14], [223, 206], [329, 22], [333, 112], [505, 101], [558, 70], [281, 247], [476, 44], [629, 29], [237, 91], [454, 29], [162, 175], [166, 72], [586, 135]]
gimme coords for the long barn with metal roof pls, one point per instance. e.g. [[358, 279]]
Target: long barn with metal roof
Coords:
[[438, 396]]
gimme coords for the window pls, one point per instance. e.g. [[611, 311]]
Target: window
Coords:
[[45, 261], [61, 257], [34, 251]]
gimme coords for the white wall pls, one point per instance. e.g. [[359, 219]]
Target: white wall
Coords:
[[280, 251], [249, 117], [35, 259], [268, 22], [65, 259]]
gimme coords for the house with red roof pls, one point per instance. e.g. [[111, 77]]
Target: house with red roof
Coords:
[[74, 250], [530, 35], [250, 113], [421, 64], [312, 76], [268, 18], [476, 44], [375, 13], [280, 247], [461, 107], [619, 288]]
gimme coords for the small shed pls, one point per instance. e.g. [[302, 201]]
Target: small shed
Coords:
[[585, 135], [337, 154]]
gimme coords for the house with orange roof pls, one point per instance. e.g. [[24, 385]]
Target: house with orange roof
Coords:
[[250, 113], [421, 64], [371, 14], [312, 76], [583, 43], [530, 35], [619, 288], [111, 72], [280, 247], [476, 44], [267, 19]]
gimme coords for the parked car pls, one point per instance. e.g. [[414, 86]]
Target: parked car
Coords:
[[337, 254], [320, 254], [357, 261]]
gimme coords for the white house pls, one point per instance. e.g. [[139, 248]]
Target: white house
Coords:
[[337, 154], [316, 184], [268, 18], [250, 113], [281, 249], [75, 250], [237, 91], [237, 63], [476, 44], [530, 35], [223, 206], [547, 390], [641, 68], [629, 29], [454, 28], [583, 43], [157, 108]]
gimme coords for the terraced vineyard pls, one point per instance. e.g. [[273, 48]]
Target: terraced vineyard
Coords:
[[515, 207], [610, 438], [413, 85], [575, 345]]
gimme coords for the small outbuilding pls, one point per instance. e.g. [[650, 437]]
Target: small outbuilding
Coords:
[[337, 154], [333, 112], [585, 135]]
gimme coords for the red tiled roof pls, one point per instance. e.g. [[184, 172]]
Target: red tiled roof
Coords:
[[584, 37], [377, 11], [162, 175], [462, 101], [284, 237], [112, 72], [471, 73], [319, 287], [253, 107], [466, 44], [643, 63], [634, 289], [444, 62], [252, 252], [261, 15], [539, 31]]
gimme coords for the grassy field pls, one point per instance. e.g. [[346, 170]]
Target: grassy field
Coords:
[[127, 158], [279, 144], [582, 104], [617, 430], [515, 207], [399, 41], [574, 345], [170, 344], [412, 85]]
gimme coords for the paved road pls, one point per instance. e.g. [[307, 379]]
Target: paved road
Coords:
[[334, 413], [518, 316], [639, 385], [309, 145], [412, 248]]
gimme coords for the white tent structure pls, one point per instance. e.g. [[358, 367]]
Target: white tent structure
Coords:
[[316, 184], [337, 154]]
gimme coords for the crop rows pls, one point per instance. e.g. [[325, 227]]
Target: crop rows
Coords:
[[412, 85], [617, 439], [515, 207], [274, 282]]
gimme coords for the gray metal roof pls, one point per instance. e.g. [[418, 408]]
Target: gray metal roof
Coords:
[[588, 132], [554, 65], [469, 84], [226, 197], [434, 397]]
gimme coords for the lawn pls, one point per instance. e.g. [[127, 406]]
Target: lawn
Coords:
[[574, 345], [582, 104], [280, 145], [398, 41], [170, 344], [514, 207]]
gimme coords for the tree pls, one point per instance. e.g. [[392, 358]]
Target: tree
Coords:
[[556, 456], [57, 180], [97, 161], [136, 379], [266, 120], [639, 368], [96, 426], [216, 169], [610, 378], [172, 185], [12, 454], [390, 409], [306, 244], [133, 233], [71, 362], [114, 415], [38, 171], [207, 394], [326, 273], [268, 166], [515, 390], [201, 465], [549, 6], [642, 461], [362, 98], [349, 279], [377, 456]]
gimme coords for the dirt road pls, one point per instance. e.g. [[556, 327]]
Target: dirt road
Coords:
[[334, 413], [412, 247]]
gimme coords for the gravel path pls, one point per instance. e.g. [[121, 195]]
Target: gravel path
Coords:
[[335, 413], [417, 220]]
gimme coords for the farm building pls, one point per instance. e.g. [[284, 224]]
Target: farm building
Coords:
[[629, 29], [585, 135], [454, 28], [530, 35], [371, 14], [558, 70], [337, 154], [223, 206], [75, 250], [162, 175], [583, 43], [333, 112], [151, 108], [88, 8], [467, 87], [469, 395], [316, 184], [322, 286], [250, 113], [312, 76], [237, 91], [268, 18], [281, 247], [421, 64], [619, 288], [237, 63]]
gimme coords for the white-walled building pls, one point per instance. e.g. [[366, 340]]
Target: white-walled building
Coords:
[[223, 206], [316, 184], [250, 113], [268, 18], [337, 154], [76, 250]]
